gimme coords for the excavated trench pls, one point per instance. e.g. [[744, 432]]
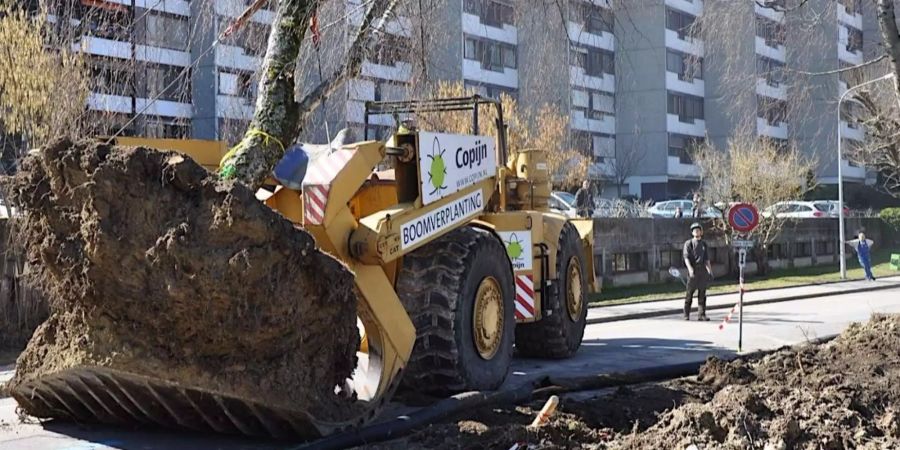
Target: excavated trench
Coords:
[[161, 273]]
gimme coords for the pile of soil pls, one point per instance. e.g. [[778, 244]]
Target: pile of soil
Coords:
[[154, 266], [842, 394]]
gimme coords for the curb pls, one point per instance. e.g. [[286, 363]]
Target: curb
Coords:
[[669, 299], [671, 311]]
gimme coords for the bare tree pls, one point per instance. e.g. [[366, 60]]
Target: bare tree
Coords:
[[756, 171], [627, 161]]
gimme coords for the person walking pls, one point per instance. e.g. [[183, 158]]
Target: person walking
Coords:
[[696, 259], [863, 248], [695, 209], [678, 212], [584, 200]]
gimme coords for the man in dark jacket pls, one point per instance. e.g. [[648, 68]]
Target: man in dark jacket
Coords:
[[584, 200], [696, 259]]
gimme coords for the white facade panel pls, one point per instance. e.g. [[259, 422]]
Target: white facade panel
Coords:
[[777, 53], [673, 125], [578, 78], [779, 131], [236, 58], [111, 103], [471, 24], [852, 19], [400, 72], [162, 56], [848, 132], [578, 34], [234, 8], [179, 7], [677, 169], [769, 13], [696, 87], [164, 108], [694, 7], [231, 107], [687, 45], [764, 88], [508, 78], [606, 125], [103, 47]]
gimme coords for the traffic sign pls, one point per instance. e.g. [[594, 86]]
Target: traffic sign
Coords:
[[743, 217], [742, 243]]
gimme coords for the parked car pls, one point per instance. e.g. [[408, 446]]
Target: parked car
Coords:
[[562, 202], [830, 207], [614, 207], [797, 210], [667, 208]]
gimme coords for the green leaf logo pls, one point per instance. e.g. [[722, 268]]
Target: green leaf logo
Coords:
[[437, 171], [514, 247]]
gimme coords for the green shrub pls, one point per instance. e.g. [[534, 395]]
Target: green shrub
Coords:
[[892, 217]]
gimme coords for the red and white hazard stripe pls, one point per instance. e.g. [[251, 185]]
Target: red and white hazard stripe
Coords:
[[317, 184], [524, 297], [323, 170], [315, 197]]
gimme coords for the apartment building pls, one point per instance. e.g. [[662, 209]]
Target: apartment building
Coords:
[[642, 85]]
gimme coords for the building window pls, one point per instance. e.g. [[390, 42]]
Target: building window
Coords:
[[389, 91], [167, 31], [776, 251], [113, 22], [688, 67], [802, 249], [854, 40], [852, 6], [594, 61], [493, 13], [781, 145], [252, 37], [168, 82], [391, 49], [770, 70], [599, 147], [771, 31], [494, 56], [682, 23], [824, 248], [596, 19], [629, 262], [683, 147], [166, 127], [490, 90], [688, 108], [594, 104], [771, 109], [670, 258], [111, 76]]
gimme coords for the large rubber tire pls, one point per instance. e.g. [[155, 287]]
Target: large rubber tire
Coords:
[[559, 334], [437, 285]]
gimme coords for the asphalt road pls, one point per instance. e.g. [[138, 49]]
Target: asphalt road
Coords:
[[607, 347]]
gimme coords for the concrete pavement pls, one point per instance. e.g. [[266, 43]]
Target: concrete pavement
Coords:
[[601, 314], [607, 347]]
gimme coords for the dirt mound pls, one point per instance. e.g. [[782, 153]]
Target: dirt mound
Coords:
[[154, 266], [839, 395]]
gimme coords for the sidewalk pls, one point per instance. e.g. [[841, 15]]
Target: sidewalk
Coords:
[[601, 314]]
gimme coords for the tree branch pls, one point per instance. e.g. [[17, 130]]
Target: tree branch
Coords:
[[844, 69], [364, 39], [778, 8]]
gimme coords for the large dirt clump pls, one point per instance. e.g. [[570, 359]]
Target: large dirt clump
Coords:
[[154, 266], [844, 394]]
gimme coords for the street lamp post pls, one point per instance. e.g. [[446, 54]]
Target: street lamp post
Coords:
[[840, 172]]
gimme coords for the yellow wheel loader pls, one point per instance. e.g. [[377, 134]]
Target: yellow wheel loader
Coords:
[[457, 261]]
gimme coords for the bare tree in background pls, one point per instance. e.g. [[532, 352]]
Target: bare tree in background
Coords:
[[627, 161], [756, 171]]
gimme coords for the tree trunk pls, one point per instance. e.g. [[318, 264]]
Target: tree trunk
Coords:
[[275, 119], [887, 21]]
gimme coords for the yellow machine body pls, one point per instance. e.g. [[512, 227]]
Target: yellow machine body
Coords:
[[360, 217]]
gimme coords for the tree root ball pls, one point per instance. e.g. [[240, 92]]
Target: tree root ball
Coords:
[[156, 267]]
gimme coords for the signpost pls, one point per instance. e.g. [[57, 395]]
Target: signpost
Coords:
[[743, 218]]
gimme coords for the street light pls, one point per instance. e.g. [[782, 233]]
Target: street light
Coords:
[[840, 174]]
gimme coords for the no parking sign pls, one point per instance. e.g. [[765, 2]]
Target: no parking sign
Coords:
[[743, 217]]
